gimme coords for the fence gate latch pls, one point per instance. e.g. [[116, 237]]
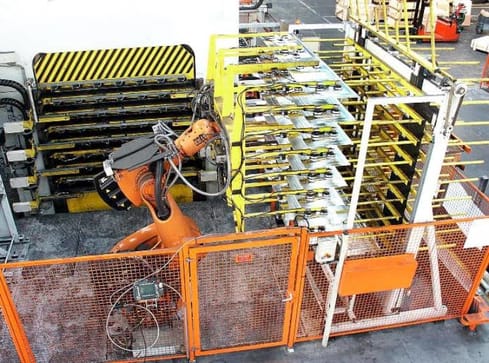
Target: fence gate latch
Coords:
[[288, 298]]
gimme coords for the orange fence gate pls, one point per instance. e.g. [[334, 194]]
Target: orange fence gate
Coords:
[[242, 291]]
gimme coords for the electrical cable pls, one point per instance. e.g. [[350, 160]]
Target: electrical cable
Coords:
[[179, 174], [194, 188], [173, 289], [132, 350], [17, 104], [170, 184], [162, 209], [242, 134], [296, 220], [130, 286], [166, 144], [162, 185], [266, 196], [236, 208], [202, 102], [141, 331], [19, 87]]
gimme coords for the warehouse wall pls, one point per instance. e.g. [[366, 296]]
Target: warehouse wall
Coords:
[[32, 26]]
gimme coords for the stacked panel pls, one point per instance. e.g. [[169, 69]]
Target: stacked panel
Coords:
[[90, 102], [290, 142]]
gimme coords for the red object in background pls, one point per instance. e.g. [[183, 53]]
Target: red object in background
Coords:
[[446, 30], [485, 74]]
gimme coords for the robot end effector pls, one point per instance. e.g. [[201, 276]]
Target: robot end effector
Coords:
[[141, 172]]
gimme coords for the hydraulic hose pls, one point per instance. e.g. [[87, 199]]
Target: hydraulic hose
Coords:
[[162, 209], [18, 87]]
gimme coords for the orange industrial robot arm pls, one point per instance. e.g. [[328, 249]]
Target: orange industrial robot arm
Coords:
[[138, 173]]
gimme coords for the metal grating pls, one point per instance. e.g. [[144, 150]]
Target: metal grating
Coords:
[[241, 295], [64, 307], [316, 289]]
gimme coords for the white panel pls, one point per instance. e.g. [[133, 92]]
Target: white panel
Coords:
[[20, 182], [32, 26], [16, 127], [21, 207], [477, 236], [16, 155]]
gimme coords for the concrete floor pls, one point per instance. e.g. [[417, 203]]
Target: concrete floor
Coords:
[[70, 235], [443, 342]]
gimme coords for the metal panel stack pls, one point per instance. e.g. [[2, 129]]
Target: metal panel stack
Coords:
[[90, 102], [281, 104]]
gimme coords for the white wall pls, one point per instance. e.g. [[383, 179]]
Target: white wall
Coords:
[[32, 26]]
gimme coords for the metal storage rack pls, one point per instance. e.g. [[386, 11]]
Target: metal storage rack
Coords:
[[90, 102], [281, 106]]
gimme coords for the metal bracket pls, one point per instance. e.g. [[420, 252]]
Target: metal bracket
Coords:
[[289, 298]]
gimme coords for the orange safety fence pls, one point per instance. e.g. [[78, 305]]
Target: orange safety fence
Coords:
[[464, 199], [242, 289], [7, 346], [229, 292], [83, 309], [458, 270]]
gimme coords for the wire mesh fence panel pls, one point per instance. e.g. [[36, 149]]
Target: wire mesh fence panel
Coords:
[[316, 288], [242, 294], [8, 354], [97, 310], [444, 268], [460, 199]]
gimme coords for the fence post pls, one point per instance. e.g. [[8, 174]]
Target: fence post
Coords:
[[14, 324], [299, 286], [475, 283], [483, 180]]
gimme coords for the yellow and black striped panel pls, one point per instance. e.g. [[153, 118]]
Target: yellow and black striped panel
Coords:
[[91, 65]]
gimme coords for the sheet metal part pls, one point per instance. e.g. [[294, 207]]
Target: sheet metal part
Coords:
[[286, 132], [392, 165]]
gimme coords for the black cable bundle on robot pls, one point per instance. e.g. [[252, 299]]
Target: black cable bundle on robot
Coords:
[[161, 207], [202, 104], [7, 101]]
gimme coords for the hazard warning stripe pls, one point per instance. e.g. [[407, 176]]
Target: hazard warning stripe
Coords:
[[88, 65]]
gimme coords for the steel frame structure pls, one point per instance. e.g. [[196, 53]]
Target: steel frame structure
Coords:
[[449, 101]]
